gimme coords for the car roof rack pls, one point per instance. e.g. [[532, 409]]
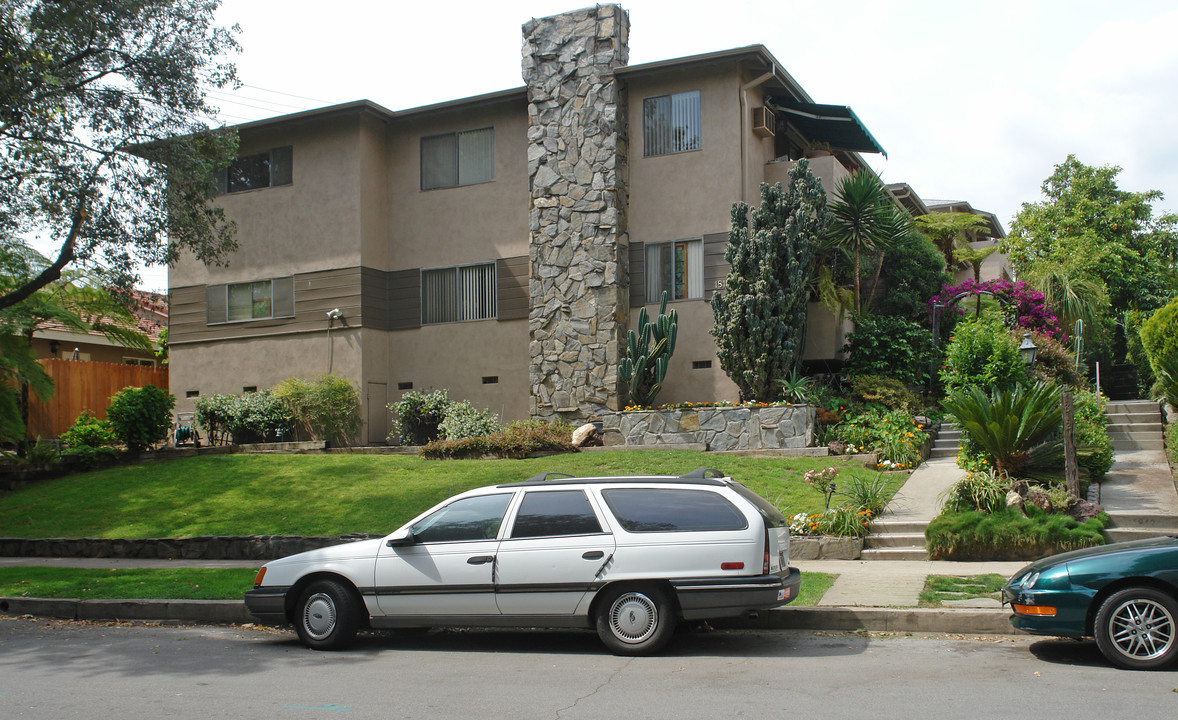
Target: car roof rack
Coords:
[[543, 477], [704, 473]]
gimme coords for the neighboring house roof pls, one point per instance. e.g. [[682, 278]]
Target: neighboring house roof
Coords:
[[908, 199], [151, 318]]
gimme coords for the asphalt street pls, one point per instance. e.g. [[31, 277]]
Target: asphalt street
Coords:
[[65, 669]]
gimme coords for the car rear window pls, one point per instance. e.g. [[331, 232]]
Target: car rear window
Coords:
[[672, 510], [553, 513], [773, 517]]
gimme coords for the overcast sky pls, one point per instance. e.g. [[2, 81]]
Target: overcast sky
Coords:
[[973, 101]]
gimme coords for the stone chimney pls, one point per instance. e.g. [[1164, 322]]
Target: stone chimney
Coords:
[[579, 249]]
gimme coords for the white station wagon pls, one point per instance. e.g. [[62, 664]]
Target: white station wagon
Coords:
[[629, 556]]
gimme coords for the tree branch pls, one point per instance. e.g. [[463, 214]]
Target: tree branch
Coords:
[[53, 272]]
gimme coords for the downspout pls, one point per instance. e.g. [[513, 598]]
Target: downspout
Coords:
[[743, 121]]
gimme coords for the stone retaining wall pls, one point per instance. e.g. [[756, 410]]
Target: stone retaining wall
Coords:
[[716, 428], [252, 547], [824, 548]]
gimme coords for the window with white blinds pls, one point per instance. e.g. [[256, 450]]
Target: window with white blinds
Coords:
[[462, 158], [675, 267], [455, 294], [671, 124]]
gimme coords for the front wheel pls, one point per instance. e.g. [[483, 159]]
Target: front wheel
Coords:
[[327, 616], [635, 621], [1135, 628]]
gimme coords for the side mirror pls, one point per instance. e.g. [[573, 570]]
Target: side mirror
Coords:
[[401, 538]]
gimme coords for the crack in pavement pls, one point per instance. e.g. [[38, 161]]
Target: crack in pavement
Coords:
[[595, 690]]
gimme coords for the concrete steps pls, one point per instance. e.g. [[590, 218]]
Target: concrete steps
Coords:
[[1138, 526], [1135, 425], [947, 443], [895, 540]]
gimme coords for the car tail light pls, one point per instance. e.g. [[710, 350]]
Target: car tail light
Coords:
[[765, 564], [1033, 609], [732, 566], [258, 578]]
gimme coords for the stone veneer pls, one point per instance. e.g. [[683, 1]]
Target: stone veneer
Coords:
[[717, 428], [577, 154]]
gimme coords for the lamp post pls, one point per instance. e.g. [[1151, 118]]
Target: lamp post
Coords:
[[1028, 349]]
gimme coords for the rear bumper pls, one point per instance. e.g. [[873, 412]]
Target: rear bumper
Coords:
[[706, 598], [268, 604]]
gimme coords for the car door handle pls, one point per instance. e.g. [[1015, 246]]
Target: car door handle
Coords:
[[480, 560], [594, 555]]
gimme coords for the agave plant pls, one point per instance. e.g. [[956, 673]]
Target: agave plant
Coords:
[[1017, 427]]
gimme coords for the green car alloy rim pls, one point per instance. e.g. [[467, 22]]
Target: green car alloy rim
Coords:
[[1141, 629], [319, 616], [633, 617]]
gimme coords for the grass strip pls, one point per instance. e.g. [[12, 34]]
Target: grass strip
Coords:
[[938, 588], [126, 583], [342, 493], [201, 583]]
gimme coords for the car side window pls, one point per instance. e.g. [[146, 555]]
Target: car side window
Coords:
[[641, 510], [553, 513], [472, 518]]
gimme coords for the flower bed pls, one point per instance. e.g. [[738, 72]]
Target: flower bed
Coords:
[[740, 427]]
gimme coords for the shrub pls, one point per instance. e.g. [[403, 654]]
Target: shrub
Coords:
[[983, 354], [140, 416], [517, 440], [1159, 335], [1092, 433], [464, 420], [326, 408], [1009, 535], [978, 490], [888, 345], [89, 431], [1054, 362], [260, 417], [886, 391], [417, 415], [43, 452], [893, 434], [1015, 426], [214, 414]]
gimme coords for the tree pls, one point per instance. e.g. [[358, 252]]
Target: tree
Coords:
[[913, 270], [947, 230], [89, 92], [761, 315], [1099, 233], [863, 217]]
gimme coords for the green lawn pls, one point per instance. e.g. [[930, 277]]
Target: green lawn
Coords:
[[938, 588], [342, 493], [200, 583]]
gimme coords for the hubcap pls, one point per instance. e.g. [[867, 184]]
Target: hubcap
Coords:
[[319, 615], [633, 617], [1142, 629]]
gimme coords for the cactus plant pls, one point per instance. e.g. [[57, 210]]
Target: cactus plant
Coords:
[[644, 368]]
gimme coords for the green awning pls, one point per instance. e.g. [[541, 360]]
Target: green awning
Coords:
[[834, 124]]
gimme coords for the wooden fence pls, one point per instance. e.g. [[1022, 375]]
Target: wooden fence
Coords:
[[82, 385]]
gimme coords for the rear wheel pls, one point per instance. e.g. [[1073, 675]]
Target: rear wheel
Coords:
[[635, 621], [327, 615], [1136, 628]]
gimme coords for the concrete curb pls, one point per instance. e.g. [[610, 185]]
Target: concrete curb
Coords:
[[933, 620]]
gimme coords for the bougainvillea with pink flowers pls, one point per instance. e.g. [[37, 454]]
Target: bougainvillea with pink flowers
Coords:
[[1029, 305]]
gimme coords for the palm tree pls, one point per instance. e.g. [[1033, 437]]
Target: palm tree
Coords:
[[1071, 296], [862, 219]]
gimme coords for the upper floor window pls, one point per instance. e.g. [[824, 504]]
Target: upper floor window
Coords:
[[257, 300], [260, 170], [452, 294], [458, 158], [676, 267], [670, 124]]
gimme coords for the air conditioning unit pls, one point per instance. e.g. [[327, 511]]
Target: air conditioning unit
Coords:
[[764, 122]]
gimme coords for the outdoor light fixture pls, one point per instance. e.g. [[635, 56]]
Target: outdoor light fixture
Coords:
[[1028, 349]]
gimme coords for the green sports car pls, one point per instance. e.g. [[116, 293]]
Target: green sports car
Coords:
[[1124, 594]]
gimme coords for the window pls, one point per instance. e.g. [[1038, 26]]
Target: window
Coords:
[[461, 158], [554, 513], [670, 124], [666, 510], [677, 267], [473, 518], [138, 361], [455, 294], [261, 170], [258, 300]]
